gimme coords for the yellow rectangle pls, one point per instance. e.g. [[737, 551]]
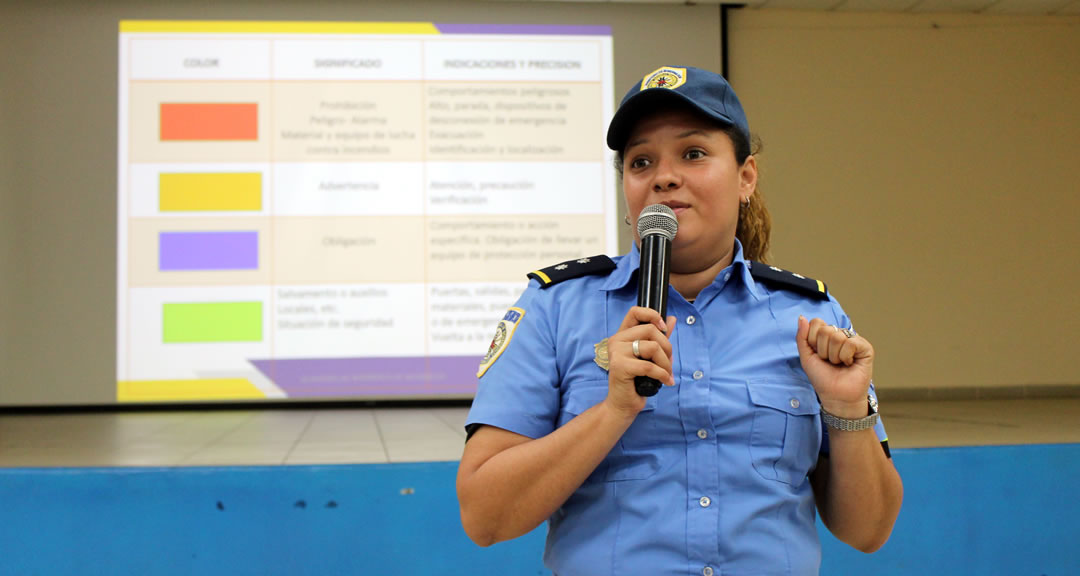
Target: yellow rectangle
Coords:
[[186, 390], [241, 27], [192, 192]]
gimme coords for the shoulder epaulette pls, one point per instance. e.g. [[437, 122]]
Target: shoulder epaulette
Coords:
[[789, 280], [552, 275]]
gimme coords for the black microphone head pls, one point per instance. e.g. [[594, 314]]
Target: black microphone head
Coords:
[[657, 219]]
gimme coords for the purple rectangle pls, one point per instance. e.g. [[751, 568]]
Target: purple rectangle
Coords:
[[524, 29], [360, 377], [208, 251]]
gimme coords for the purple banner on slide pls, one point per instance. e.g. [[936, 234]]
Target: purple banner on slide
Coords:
[[208, 250], [361, 377], [524, 29]]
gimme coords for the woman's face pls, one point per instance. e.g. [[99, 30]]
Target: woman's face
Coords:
[[680, 160]]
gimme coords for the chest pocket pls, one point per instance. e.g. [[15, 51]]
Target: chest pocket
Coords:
[[785, 437], [635, 456]]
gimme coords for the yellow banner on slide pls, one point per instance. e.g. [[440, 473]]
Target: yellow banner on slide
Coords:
[[241, 27], [184, 390]]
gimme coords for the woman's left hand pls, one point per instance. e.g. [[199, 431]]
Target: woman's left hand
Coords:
[[839, 367]]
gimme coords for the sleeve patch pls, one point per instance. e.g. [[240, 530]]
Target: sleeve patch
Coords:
[[504, 331]]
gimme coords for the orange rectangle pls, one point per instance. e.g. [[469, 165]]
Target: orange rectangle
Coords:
[[209, 121]]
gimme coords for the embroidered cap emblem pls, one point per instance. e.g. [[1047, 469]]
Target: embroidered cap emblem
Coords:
[[670, 78]]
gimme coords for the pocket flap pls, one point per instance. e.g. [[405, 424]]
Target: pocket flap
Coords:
[[790, 395], [583, 396]]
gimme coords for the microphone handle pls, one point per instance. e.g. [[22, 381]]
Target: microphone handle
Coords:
[[653, 277]]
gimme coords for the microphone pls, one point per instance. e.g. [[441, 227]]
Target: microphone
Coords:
[[656, 226]]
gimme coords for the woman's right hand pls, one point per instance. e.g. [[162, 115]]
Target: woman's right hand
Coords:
[[651, 332]]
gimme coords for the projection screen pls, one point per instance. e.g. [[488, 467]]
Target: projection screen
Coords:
[[346, 210]]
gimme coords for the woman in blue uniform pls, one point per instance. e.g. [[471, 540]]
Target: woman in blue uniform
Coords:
[[768, 412]]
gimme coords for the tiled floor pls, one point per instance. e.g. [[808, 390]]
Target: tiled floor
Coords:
[[346, 436]]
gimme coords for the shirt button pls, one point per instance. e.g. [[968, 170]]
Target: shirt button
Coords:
[[727, 276], [690, 319], [707, 571], [794, 402], [703, 433], [704, 501], [698, 375]]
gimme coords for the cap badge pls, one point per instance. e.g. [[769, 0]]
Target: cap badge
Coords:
[[665, 77]]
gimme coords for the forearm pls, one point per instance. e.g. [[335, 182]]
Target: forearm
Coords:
[[518, 488], [862, 490]]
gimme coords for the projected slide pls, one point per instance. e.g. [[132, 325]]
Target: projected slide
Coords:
[[346, 210]]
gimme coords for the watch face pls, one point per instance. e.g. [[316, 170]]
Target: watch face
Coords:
[[873, 403]]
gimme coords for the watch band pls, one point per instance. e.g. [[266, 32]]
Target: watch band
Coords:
[[849, 425], [846, 425]]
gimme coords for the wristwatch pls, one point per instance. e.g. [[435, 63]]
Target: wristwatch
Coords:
[[847, 425]]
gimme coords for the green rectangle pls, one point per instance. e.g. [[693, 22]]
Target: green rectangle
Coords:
[[212, 322]]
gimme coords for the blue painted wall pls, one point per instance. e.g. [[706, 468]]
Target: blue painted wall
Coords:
[[986, 511], [980, 510]]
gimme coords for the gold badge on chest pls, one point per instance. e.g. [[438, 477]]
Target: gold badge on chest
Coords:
[[601, 357]]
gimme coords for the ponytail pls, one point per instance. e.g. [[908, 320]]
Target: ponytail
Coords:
[[755, 223]]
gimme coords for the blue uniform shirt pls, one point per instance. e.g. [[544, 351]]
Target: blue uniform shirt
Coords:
[[711, 478]]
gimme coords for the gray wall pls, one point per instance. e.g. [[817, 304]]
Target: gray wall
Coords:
[[924, 166], [9, 295], [920, 164], [58, 65]]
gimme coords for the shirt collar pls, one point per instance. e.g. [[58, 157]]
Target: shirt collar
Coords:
[[624, 270], [741, 266], [629, 263]]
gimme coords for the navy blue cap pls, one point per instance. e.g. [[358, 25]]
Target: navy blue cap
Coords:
[[704, 91]]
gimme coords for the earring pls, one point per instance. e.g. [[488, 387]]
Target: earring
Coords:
[[745, 203], [626, 218]]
